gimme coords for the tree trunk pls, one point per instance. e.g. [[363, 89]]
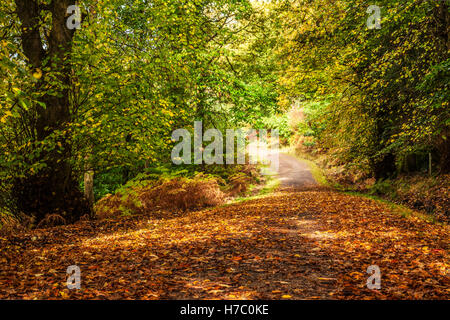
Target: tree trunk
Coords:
[[53, 190], [89, 187]]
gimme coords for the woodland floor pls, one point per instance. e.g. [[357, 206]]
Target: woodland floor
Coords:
[[308, 244], [302, 242]]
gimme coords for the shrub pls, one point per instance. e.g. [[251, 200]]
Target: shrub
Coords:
[[239, 183], [177, 194], [382, 187], [184, 193]]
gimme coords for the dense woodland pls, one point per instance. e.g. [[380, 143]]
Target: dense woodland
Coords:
[[106, 96], [89, 102]]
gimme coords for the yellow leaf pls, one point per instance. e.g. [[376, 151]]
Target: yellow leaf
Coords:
[[37, 74]]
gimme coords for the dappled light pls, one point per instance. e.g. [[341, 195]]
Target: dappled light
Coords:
[[290, 244], [224, 150]]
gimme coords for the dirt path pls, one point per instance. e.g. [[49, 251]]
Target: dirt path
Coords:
[[293, 244], [293, 173], [289, 245]]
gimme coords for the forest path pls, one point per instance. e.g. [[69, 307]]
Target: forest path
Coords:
[[290, 171], [303, 241], [293, 173], [292, 244]]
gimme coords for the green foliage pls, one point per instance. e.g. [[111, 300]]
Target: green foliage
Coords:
[[279, 122], [382, 187], [133, 73], [108, 182], [109, 99], [315, 113], [383, 92]]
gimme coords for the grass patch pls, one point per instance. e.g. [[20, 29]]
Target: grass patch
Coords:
[[272, 183], [316, 171]]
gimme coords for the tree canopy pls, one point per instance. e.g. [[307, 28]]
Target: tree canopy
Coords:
[[106, 94]]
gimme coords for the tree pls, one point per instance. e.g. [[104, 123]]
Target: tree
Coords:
[[389, 86], [46, 44], [105, 97]]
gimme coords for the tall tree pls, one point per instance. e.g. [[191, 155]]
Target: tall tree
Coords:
[[46, 42]]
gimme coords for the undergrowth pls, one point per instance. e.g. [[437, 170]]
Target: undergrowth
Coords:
[[178, 190]]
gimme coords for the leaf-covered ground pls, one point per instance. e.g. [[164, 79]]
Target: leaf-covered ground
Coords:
[[314, 244]]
